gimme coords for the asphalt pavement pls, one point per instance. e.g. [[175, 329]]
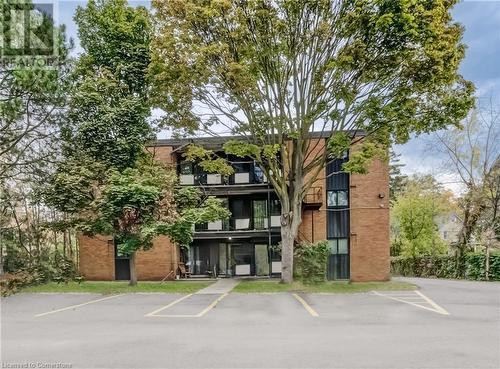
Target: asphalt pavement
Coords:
[[445, 324]]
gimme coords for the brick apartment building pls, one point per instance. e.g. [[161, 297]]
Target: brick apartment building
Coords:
[[350, 211]]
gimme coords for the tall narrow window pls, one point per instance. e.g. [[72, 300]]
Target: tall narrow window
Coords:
[[260, 214]]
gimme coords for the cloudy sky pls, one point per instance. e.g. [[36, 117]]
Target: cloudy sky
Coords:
[[481, 20]]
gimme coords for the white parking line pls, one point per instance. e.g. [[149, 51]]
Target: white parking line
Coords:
[[211, 306], [306, 306], [153, 313], [438, 308], [417, 299], [78, 305], [199, 315]]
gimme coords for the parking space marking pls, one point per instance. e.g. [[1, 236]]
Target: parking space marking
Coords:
[[417, 299], [306, 306], [199, 315], [438, 308], [77, 305], [153, 313], [211, 306]]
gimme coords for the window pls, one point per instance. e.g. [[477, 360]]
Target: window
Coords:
[[337, 198], [241, 167], [186, 167], [259, 174], [339, 246]]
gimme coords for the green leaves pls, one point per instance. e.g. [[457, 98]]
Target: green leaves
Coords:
[[414, 216], [109, 102], [360, 159], [338, 144], [311, 261], [242, 149], [208, 160]]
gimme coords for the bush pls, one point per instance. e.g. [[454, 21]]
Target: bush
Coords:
[[44, 267], [11, 282], [310, 262], [472, 266]]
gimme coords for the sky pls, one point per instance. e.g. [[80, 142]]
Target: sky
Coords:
[[481, 65]]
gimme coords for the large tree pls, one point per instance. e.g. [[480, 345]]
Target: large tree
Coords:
[[32, 97], [275, 70], [414, 216], [472, 156], [108, 183], [106, 124]]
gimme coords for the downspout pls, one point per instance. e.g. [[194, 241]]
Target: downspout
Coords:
[[312, 225]]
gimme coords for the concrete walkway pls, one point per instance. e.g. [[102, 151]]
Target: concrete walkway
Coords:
[[223, 285]]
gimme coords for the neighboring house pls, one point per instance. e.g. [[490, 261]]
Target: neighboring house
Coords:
[[350, 211], [449, 227]]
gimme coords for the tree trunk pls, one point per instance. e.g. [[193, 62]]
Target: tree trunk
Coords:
[[133, 275], [290, 223], [287, 240]]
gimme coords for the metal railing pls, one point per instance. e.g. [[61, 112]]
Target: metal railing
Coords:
[[314, 196], [251, 175], [235, 224]]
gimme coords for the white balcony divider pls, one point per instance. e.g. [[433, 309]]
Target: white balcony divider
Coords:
[[276, 267], [275, 221], [243, 269], [214, 226], [187, 179], [214, 179], [242, 223], [241, 178]]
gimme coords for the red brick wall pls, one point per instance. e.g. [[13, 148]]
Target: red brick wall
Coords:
[[157, 262], [162, 153], [369, 224], [369, 221], [97, 258], [313, 226]]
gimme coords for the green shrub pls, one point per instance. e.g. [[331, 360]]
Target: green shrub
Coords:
[[311, 261], [41, 268], [11, 282], [471, 266], [495, 266]]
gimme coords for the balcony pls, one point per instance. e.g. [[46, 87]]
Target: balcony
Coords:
[[245, 173], [236, 224], [313, 200]]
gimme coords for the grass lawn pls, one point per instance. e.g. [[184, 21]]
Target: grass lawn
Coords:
[[326, 287], [120, 287]]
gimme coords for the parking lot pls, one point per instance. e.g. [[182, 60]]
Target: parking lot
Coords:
[[445, 324]]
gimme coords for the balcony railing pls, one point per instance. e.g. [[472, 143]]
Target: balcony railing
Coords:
[[239, 224], [313, 198], [245, 173]]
